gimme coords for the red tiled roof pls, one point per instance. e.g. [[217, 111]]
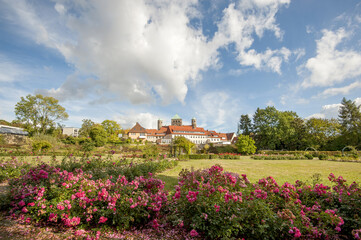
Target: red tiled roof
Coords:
[[137, 129]]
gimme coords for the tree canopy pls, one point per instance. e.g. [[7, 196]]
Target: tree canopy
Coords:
[[38, 113]]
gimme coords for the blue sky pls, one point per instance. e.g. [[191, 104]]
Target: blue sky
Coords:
[[140, 60]]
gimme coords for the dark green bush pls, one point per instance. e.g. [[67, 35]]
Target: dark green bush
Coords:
[[322, 156], [309, 156]]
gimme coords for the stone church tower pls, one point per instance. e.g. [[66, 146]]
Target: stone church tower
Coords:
[[160, 124], [194, 122], [176, 120]]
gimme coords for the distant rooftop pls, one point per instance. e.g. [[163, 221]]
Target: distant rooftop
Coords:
[[12, 130], [176, 117]]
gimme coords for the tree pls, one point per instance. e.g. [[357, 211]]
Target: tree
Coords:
[[245, 125], [245, 145], [39, 113], [321, 132], [350, 120], [111, 127], [86, 127], [265, 126], [98, 135], [183, 143]]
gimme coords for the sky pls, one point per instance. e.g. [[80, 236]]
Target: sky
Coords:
[[143, 60]]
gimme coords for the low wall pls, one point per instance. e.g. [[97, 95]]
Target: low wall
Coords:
[[13, 139]]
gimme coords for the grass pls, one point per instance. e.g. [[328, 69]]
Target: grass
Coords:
[[282, 170]]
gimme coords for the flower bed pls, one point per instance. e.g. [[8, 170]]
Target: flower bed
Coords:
[[279, 157], [206, 204]]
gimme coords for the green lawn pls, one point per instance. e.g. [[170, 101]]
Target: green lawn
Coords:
[[281, 170]]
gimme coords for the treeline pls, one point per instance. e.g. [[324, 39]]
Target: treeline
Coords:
[[285, 130]]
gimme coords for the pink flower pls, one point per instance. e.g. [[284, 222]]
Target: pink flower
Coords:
[[102, 219], [193, 233], [24, 210], [53, 217], [192, 196], [21, 203], [60, 207], [217, 207], [32, 204]]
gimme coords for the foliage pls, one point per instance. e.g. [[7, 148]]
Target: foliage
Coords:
[[12, 168], [350, 120], [320, 132], [39, 113], [86, 127], [2, 139], [151, 150], [245, 125], [215, 204], [98, 135], [280, 157], [70, 140], [183, 143], [111, 127], [245, 145], [41, 146]]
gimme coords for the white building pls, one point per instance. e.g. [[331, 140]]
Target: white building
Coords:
[[71, 131]]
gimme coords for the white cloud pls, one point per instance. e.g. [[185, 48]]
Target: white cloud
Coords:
[[239, 24], [331, 110], [144, 51], [341, 90], [215, 110], [145, 119], [331, 66], [270, 103], [9, 71]]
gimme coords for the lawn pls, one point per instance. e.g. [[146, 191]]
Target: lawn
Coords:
[[282, 170]]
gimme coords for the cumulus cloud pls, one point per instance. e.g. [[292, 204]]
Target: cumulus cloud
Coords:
[[341, 90], [243, 20], [143, 50], [331, 66], [331, 110], [214, 109], [146, 119]]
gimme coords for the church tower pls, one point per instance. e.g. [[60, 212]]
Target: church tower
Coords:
[[160, 124], [194, 122], [176, 121]]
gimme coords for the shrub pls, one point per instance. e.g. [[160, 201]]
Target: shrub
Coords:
[[245, 145], [41, 146], [309, 156], [322, 157]]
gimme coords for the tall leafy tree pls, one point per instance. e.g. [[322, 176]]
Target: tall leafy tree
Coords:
[[111, 127], [265, 125], [245, 145], [350, 120], [98, 135], [39, 112], [245, 125], [86, 127], [321, 132]]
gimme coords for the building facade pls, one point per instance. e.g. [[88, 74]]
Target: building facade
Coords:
[[166, 134], [71, 131]]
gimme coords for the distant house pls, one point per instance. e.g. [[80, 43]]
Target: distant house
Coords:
[[166, 134], [71, 131], [137, 132], [13, 135]]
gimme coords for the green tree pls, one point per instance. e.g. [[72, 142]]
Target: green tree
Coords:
[[245, 145], [321, 132], [265, 126], [38, 113], [86, 127], [111, 127], [98, 135], [350, 120], [183, 143], [245, 125]]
